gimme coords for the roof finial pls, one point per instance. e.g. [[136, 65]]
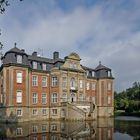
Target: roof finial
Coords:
[[15, 44], [99, 62]]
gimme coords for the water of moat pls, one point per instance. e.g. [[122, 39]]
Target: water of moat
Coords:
[[120, 128]]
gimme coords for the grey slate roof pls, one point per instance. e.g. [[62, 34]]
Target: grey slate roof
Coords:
[[15, 50], [100, 67], [44, 59]]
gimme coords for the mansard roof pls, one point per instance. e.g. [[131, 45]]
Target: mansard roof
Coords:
[[101, 67], [16, 50]]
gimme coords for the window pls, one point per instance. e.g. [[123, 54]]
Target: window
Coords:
[[34, 111], [19, 112], [19, 132], [19, 59], [54, 98], [44, 81], [109, 100], [93, 86], [34, 138], [54, 137], [64, 82], [34, 80], [54, 127], [64, 97], [44, 127], [44, 137], [81, 98], [44, 66], [72, 83], [34, 98], [87, 72], [54, 81], [19, 77], [81, 83], [93, 74], [34, 65], [54, 111], [34, 129], [44, 98], [109, 133], [109, 86], [88, 86], [44, 111], [19, 97]]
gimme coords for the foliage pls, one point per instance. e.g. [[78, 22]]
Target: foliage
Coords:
[[128, 100], [4, 4]]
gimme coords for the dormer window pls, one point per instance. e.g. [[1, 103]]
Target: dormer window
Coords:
[[19, 59], [34, 65], [44, 66]]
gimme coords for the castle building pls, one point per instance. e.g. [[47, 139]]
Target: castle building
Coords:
[[38, 88]]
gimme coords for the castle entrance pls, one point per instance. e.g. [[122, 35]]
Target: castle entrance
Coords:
[[73, 97]]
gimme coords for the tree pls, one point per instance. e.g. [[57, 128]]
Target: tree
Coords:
[[4, 4]]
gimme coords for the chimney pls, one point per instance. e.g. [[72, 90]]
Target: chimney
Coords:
[[55, 55], [34, 54]]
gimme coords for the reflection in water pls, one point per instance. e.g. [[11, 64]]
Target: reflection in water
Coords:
[[102, 129], [125, 129]]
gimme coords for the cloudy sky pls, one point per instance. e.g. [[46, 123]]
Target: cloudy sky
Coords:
[[98, 30]]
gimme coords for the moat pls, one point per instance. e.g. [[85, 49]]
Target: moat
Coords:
[[102, 129]]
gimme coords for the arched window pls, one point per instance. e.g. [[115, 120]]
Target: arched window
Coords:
[[72, 82]]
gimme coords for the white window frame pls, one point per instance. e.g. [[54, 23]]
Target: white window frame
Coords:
[[19, 59], [64, 97], [44, 111], [73, 83], [81, 84], [44, 66], [109, 100], [54, 111], [34, 112], [44, 81], [34, 98], [81, 97], [54, 81], [44, 98], [88, 86], [93, 86], [53, 127], [34, 65], [109, 86], [34, 80], [19, 132], [19, 112], [44, 137], [34, 138], [54, 97], [19, 77], [19, 96], [64, 82], [44, 128], [34, 128]]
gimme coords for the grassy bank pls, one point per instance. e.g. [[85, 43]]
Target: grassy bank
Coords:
[[123, 113]]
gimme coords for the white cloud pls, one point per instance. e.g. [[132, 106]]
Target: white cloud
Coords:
[[96, 33]]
